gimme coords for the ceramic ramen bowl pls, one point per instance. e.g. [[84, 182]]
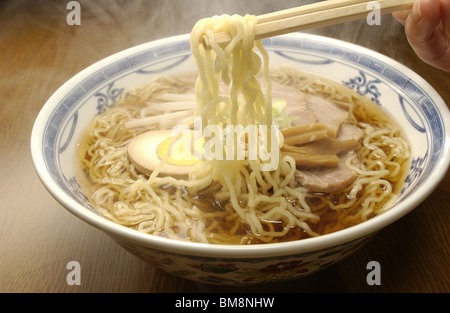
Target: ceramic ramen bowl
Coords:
[[416, 106]]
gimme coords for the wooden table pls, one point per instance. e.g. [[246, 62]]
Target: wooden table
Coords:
[[38, 237]]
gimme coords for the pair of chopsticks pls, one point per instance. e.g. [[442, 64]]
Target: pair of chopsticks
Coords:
[[315, 15]]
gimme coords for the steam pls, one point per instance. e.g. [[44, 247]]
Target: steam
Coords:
[[145, 20], [56, 51], [109, 26]]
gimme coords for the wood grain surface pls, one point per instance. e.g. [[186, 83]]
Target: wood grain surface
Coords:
[[38, 237]]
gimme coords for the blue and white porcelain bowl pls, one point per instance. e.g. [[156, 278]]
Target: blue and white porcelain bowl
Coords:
[[412, 101]]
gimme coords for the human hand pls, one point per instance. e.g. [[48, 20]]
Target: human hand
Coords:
[[427, 27]]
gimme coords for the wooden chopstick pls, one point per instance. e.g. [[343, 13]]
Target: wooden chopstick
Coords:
[[324, 13], [306, 9]]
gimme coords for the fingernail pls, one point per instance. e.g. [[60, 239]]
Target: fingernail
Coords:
[[416, 14]]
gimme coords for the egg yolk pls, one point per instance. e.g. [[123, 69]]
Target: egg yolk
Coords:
[[182, 148]]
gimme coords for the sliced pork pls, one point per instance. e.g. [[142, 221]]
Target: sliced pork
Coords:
[[327, 113], [307, 110], [349, 132], [296, 104], [326, 180]]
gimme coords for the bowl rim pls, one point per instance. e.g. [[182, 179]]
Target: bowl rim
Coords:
[[122, 233]]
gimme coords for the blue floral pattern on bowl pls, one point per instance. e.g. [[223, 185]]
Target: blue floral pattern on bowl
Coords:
[[241, 271]]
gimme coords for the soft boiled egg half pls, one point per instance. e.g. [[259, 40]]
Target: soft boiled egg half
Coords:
[[147, 150]]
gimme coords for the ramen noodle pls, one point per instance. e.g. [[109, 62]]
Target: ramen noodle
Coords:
[[339, 159]]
